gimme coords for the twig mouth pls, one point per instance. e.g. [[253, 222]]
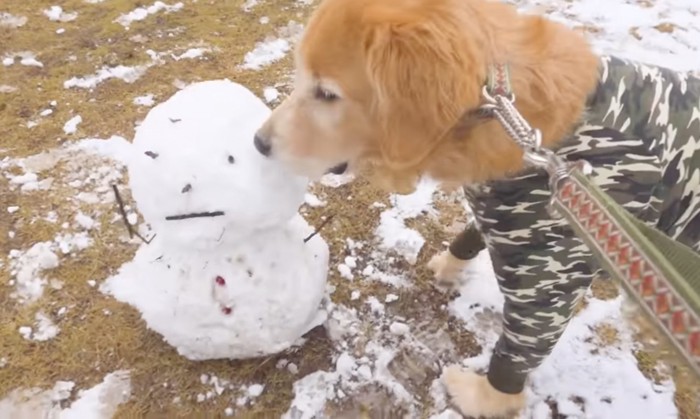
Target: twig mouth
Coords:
[[194, 215]]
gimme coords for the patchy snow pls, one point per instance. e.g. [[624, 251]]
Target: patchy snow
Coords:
[[71, 126], [658, 32], [8, 20], [604, 381], [266, 53], [607, 380], [26, 269], [270, 94], [128, 74], [26, 58], [44, 329], [255, 390], [313, 201], [84, 221], [335, 181], [98, 402], [56, 14], [582, 377], [249, 5], [392, 230], [191, 54], [145, 100], [141, 13]]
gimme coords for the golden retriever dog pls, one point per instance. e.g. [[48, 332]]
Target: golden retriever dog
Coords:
[[380, 84], [384, 88]]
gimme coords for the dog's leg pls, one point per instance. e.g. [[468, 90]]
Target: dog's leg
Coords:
[[447, 265], [446, 269], [474, 395]]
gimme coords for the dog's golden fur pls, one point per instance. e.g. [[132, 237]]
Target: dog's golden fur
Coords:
[[404, 71], [381, 84]]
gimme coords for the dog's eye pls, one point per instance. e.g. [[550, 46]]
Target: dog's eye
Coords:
[[325, 95]]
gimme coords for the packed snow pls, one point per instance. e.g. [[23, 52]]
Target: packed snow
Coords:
[[26, 58], [128, 74], [71, 126], [141, 13], [211, 281], [266, 53], [98, 402], [145, 100], [663, 32], [8, 20], [56, 14]]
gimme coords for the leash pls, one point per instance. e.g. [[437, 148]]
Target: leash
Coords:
[[662, 274]]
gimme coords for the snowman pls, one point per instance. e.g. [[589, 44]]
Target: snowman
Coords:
[[228, 273]]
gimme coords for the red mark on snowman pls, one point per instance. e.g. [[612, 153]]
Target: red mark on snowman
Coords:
[[220, 281]]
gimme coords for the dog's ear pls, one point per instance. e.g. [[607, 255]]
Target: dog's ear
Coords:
[[422, 76]]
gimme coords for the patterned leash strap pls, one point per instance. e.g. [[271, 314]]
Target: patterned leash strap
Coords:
[[662, 274]]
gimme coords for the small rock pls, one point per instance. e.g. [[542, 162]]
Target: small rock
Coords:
[[399, 329]]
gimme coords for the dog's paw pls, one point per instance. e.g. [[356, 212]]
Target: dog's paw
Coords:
[[447, 269], [474, 396]]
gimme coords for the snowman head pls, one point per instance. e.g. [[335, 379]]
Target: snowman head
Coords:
[[196, 176]]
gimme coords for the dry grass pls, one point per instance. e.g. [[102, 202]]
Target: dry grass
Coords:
[[99, 335]]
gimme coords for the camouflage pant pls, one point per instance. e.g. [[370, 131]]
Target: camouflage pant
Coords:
[[642, 136]]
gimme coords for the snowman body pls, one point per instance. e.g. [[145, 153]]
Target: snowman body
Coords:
[[228, 273]]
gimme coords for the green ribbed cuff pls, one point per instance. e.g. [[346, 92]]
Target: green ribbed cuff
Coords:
[[505, 377], [467, 244]]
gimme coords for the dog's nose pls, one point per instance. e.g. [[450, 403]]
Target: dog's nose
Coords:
[[263, 145]]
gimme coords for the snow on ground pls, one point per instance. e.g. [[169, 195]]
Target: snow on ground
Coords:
[[26, 58], [664, 32], [56, 14], [98, 402], [43, 330], [128, 74], [145, 100], [191, 53], [392, 230], [582, 377], [141, 13], [8, 20], [272, 49], [71, 126], [266, 53]]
